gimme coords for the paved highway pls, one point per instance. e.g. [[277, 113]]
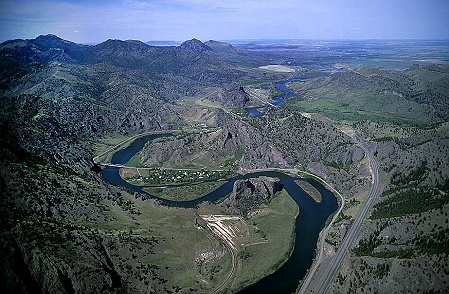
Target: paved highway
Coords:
[[374, 168], [322, 240]]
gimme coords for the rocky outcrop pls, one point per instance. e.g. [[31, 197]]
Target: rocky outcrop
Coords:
[[250, 193], [232, 98], [195, 45]]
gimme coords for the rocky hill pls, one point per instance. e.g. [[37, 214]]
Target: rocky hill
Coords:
[[116, 85], [186, 60], [406, 235], [248, 194], [61, 224], [235, 55], [405, 119], [195, 45]]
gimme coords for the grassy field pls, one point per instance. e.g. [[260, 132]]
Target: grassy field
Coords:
[[256, 81], [107, 142], [180, 242], [116, 141], [264, 244], [165, 176], [269, 242], [351, 105], [343, 113], [200, 102], [277, 68], [135, 161]]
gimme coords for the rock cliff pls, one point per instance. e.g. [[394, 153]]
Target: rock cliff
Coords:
[[250, 193]]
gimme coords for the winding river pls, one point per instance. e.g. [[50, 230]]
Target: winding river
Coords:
[[280, 99], [309, 222]]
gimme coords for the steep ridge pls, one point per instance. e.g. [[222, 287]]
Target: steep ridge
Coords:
[[195, 46]]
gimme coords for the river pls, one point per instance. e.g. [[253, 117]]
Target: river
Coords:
[[281, 85], [309, 222]]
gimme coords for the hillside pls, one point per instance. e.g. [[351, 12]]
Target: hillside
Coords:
[[404, 115], [64, 229], [415, 96]]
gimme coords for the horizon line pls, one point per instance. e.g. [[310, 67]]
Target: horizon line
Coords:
[[236, 40]]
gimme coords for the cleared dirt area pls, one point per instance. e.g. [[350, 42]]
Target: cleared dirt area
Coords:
[[221, 226], [277, 68]]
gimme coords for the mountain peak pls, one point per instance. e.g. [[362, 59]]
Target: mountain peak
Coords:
[[195, 45], [50, 38], [47, 42]]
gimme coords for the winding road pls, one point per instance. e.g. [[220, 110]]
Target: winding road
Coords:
[[231, 252], [322, 240], [233, 266], [374, 169]]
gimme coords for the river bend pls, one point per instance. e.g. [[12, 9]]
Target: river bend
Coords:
[[309, 222]]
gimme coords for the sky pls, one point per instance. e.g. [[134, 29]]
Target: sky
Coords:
[[94, 21]]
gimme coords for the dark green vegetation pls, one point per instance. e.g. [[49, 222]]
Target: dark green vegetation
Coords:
[[310, 190], [64, 230], [408, 224]]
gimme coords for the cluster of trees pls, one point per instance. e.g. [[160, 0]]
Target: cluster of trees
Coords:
[[409, 200], [410, 177], [367, 246], [434, 243]]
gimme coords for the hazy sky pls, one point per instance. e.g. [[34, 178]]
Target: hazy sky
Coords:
[[93, 21]]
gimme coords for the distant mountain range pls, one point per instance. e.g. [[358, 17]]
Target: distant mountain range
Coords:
[[131, 53]]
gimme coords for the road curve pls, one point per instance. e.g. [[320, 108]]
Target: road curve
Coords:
[[231, 250], [233, 262], [374, 168]]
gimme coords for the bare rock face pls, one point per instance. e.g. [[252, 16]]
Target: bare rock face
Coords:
[[249, 194], [232, 98], [262, 188]]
